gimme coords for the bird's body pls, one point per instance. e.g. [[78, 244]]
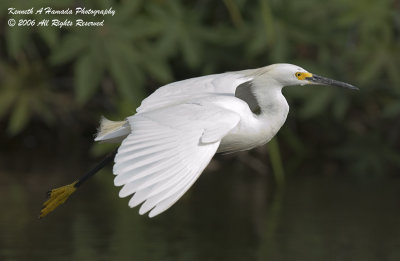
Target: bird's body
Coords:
[[177, 130], [218, 90]]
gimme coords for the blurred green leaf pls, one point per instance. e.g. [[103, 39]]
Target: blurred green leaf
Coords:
[[392, 110], [7, 98], [316, 103], [129, 82], [49, 35], [340, 107], [156, 68], [24, 93], [88, 71], [16, 38], [19, 116], [71, 46]]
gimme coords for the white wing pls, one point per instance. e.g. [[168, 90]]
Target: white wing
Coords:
[[167, 151], [178, 92]]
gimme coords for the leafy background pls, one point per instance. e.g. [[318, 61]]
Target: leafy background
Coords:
[[56, 83], [55, 78]]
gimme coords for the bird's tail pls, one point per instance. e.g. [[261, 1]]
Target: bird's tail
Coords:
[[112, 131]]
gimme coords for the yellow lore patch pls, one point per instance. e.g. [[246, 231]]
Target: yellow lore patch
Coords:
[[303, 75]]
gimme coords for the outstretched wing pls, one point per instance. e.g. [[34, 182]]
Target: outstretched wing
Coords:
[[167, 151], [178, 92]]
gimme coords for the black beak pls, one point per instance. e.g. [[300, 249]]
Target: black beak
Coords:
[[326, 81]]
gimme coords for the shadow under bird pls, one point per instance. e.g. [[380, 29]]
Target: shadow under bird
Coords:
[[176, 131]]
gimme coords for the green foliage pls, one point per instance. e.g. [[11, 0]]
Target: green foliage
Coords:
[[24, 94], [149, 43], [276, 162]]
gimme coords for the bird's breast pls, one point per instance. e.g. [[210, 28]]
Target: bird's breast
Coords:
[[253, 131]]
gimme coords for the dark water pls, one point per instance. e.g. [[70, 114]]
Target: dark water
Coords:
[[225, 216]]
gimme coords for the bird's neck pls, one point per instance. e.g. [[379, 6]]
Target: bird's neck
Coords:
[[272, 103]]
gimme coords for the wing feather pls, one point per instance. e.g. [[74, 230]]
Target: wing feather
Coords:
[[167, 151], [172, 194], [149, 180], [155, 166], [182, 91]]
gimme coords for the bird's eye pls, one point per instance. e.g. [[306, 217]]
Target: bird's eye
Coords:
[[298, 74]]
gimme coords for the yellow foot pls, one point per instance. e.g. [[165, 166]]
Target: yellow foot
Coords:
[[56, 197]]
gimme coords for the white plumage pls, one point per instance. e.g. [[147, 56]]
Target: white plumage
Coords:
[[176, 131]]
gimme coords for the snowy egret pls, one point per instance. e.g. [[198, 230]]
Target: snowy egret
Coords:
[[176, 131]]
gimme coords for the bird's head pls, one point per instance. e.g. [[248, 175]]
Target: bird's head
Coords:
[[289, 74]]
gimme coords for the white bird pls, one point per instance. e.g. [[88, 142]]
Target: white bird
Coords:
[[177, 130]]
